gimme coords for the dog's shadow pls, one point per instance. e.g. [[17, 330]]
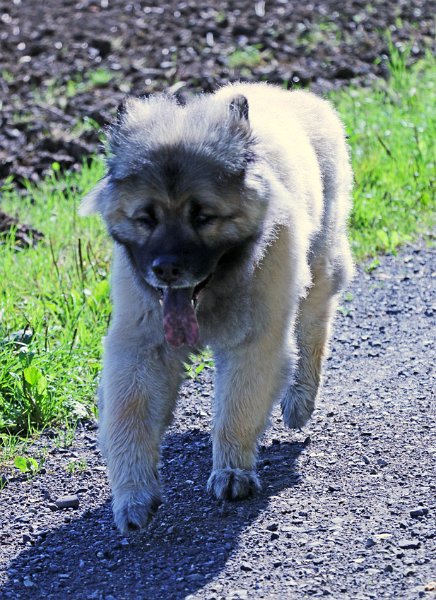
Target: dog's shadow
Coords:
[[185, 547]]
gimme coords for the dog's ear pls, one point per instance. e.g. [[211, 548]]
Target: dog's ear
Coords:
[[133, 111], [239, 107], [130, 112], [121, 111], [93, 201]]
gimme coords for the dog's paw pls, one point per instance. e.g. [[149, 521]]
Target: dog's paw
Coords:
[[133, 510], [233, 484], [298, 405]]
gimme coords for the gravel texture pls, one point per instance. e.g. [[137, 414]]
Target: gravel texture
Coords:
[[346, 509], [65, 62]]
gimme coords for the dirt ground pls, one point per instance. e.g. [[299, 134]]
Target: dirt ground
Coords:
[[346, 509], [65, 66]]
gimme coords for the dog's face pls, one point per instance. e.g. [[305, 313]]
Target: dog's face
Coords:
[[176, 233], [180, 194]]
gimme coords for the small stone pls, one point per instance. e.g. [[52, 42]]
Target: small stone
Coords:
[[406, 544], [274, 536], [383, 536], [194, 577], [238, 593], [370, 543], [41, 533], [382, 462], [67, 502], [272, 527], [53, 569], [419, 512], [103, 46], [366, 459], [245, 566]]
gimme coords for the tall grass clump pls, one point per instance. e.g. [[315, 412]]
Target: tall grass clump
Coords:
[[392, 131], [54, 306]]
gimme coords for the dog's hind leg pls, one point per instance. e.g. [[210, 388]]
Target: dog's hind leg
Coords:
[[313, 331]]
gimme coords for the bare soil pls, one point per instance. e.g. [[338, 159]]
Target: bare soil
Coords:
[[65, 66]]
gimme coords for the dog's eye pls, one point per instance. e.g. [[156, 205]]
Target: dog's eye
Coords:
[[202, 219], [199, 218], [147, 218]]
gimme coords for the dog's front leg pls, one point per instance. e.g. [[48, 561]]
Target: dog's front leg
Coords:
[[248, 380], [139, 389]]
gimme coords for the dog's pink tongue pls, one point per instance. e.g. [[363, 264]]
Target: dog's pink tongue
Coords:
[[179, 320]]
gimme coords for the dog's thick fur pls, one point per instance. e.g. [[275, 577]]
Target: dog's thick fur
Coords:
[[241, 199]]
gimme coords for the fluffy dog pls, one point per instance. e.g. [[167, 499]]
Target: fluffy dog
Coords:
[[229, 216]]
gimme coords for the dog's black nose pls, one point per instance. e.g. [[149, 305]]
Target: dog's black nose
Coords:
[[167, 269]]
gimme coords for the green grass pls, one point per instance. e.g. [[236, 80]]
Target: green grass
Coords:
[[248, 57], [54, 307], [54, 298], [392, 131]]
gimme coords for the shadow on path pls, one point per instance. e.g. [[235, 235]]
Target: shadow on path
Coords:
[[185, 547]]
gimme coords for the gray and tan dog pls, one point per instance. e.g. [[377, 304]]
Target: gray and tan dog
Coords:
[[229, 217]]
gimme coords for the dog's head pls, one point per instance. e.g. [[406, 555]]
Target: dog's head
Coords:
[[180, 192]]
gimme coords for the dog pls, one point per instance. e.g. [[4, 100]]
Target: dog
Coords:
[[229, 220]]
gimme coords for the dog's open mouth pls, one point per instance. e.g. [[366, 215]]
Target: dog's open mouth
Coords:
[[179, 319]]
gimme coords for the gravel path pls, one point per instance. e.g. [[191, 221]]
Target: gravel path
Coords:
[[347, 506]]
